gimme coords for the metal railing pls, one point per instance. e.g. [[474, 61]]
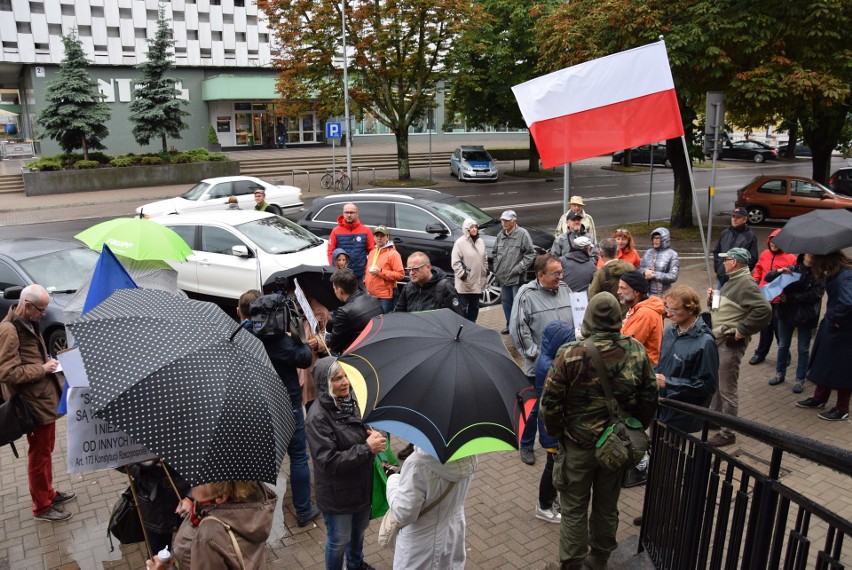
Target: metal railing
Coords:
[[705, 508], [293, 174]]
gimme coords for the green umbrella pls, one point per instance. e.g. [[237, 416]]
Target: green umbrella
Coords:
[[136, 238]]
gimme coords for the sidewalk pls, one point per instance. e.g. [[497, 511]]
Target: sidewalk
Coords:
[[502, 531]]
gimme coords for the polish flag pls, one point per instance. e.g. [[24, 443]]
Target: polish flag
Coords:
[[616, 102]]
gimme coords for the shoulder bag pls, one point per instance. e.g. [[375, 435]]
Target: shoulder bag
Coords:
[[237, 550], [390, 527], [16, 419], [624, 442]]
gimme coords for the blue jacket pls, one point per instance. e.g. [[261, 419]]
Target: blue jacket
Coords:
[[555, 335], [690, 363]]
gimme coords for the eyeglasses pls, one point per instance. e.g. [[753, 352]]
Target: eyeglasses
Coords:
[[555, 274], [350, 212], [674, 310], [411, 269], [37, 308]]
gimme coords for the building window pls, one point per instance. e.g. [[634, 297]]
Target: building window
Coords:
[[178, 16], [125, 14], [54, 29], [35, 8], [227, 18], [97, 11], [215, 2], [240, 36], [192, 34], [84, 31], [204, 17], [216, 36], [239, 3], [24, 28], [42, 48], [263, 38], [10, 47], [113, 32], [140, 33], [206, 53], [67, 9], [6, 5]]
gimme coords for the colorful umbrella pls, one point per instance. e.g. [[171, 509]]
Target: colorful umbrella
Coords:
[[437, 380], [183, 379], [818, 232], [136, 238]]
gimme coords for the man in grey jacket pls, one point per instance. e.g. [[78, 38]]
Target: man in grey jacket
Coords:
[[512, 254], [541, 301]]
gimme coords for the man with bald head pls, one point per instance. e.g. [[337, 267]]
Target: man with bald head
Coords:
[[354, 238], [27, 369]]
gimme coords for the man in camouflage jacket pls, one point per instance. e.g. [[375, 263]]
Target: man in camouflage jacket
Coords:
[[573, 408]]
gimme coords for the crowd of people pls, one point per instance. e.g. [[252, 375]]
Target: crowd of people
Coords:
[[648, 332]]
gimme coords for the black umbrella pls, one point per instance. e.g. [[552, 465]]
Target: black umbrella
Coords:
[[438, 381], [183, 379], [315, 281], [819, 232]]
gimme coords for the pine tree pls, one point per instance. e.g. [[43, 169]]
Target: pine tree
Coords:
[[75, 112], [156, 110]]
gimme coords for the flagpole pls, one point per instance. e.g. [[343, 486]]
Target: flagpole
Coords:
[[566, 186], [704, 244]]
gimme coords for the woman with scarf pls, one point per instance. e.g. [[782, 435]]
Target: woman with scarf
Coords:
[[342, 450]]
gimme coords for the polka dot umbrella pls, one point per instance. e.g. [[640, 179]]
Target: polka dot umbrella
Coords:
[[183, 379]]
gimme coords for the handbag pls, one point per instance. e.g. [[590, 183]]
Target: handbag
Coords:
[[624, 442], [124, 523], [16, 419], [390, 527]]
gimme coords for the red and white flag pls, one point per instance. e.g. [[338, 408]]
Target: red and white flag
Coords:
[[616, 102]]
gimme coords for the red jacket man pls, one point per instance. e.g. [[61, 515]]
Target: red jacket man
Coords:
[[355, 238]]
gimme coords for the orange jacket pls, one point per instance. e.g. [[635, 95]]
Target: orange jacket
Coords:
[[630, 257], [389, 262], [644, 322]]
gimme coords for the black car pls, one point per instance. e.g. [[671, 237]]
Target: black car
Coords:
[[642, 155], [58, 265], [841, 181], [418, 220], [748, 150]]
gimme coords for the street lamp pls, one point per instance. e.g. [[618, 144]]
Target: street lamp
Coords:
[[346, 93]]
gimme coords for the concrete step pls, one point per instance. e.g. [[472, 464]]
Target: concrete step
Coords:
[[11, 183], [625, 558]]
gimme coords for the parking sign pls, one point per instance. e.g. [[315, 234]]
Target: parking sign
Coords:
[[332, 130]]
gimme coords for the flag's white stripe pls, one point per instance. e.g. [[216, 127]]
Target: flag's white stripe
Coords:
[[618, 77]]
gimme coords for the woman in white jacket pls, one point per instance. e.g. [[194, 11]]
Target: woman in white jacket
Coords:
[[434, 540]]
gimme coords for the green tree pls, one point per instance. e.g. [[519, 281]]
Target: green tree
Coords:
[[156, 110], [490, 57], [75, 113], [396, 48]]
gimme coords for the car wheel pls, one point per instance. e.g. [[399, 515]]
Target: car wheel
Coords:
[[758, 158], [756, 215], [667, 163], [56, 341], [273, 209], [491, 291]]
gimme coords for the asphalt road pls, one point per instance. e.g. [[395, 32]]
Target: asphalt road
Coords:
[[611, 198]]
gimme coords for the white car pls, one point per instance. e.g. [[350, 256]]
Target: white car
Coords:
[[212, 194], [237, 250]]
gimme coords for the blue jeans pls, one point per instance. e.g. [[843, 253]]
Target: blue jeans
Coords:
[[470, 305], [528, 437], [300, 473], [344, 534], [785, 338], [387, 305], [507, 299]]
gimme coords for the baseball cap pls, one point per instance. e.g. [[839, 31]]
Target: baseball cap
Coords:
[[582, 242], [740, 212], [574, 216], [381, 230], [738, 254], [577, 200], [509, 215]]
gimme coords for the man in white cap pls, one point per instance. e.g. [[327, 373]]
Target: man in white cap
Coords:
[[576, 205], [511, 256], [470, 267]]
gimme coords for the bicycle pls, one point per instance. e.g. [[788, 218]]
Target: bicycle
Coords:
[[336, 179]]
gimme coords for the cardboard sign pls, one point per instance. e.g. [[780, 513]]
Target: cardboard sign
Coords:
[[579, 302]]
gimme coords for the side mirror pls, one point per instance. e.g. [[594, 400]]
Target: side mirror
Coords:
[[240, 251], [436, 228], [13, 292]]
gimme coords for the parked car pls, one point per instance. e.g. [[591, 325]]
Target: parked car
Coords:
[[801, 150], [58, 265], [473, 163], [419, 220], [840, 181], [234, 251], [748, 150], [642, 155], [212, 194], [785, 197]]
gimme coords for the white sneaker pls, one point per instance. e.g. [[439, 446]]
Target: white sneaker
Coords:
[[551, 515]]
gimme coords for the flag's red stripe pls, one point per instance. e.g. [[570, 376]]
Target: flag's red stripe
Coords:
[[606, 129]]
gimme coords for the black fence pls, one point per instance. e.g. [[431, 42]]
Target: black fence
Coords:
[[705, 508]]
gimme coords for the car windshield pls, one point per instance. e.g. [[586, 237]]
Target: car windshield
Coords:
[[476, 156], [195, 192], [61, 270], [278, 235], [456, 211]]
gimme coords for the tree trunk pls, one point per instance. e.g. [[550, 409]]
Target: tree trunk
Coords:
[[821, 133], [165, 146], [84, 144], [793, 136], [682, 201], [402, 158], [535, 157]]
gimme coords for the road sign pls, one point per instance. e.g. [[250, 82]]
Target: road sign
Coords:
[[332, 130]]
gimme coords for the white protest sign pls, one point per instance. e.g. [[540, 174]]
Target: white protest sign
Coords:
[[73, 368], [95, 444], [579, 302], [306, 307]]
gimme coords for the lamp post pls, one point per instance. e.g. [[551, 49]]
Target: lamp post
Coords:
[[346, 93]]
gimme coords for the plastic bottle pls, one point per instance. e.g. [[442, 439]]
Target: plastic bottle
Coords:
[[164, 555]]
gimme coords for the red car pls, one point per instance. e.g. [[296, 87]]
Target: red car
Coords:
[[785, 197]]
